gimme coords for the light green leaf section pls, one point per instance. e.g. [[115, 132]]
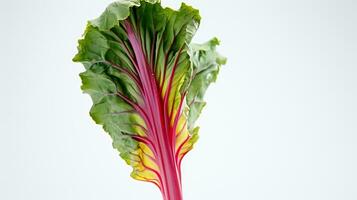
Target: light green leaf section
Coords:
[[206, 63], [93, 47], [115, 12], [113, 113]]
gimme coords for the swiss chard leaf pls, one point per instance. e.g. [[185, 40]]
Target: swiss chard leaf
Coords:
[[147, 83]]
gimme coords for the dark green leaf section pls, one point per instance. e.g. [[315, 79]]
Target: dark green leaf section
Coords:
[[164, 32], [206, 63]]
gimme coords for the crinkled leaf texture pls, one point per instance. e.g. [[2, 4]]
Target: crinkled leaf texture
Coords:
[[147, 82]]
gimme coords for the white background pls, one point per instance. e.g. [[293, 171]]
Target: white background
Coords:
[[280, 124]]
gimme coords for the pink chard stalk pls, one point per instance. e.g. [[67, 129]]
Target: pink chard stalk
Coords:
[[147, 82]]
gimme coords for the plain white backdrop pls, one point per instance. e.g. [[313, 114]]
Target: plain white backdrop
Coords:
[[280, 123]]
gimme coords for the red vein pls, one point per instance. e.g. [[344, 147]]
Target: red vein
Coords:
[[127, 51], [165, 61], [158, 54], [134, 105], [149, 180], [168, 90], [180, 147], [145, 141], [150, 157], [156, 110], [181, 130], [154, 171], [152, 51], [180, 160], [179, 107]]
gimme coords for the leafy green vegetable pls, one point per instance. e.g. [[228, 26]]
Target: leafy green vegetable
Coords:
[[147, 82]]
